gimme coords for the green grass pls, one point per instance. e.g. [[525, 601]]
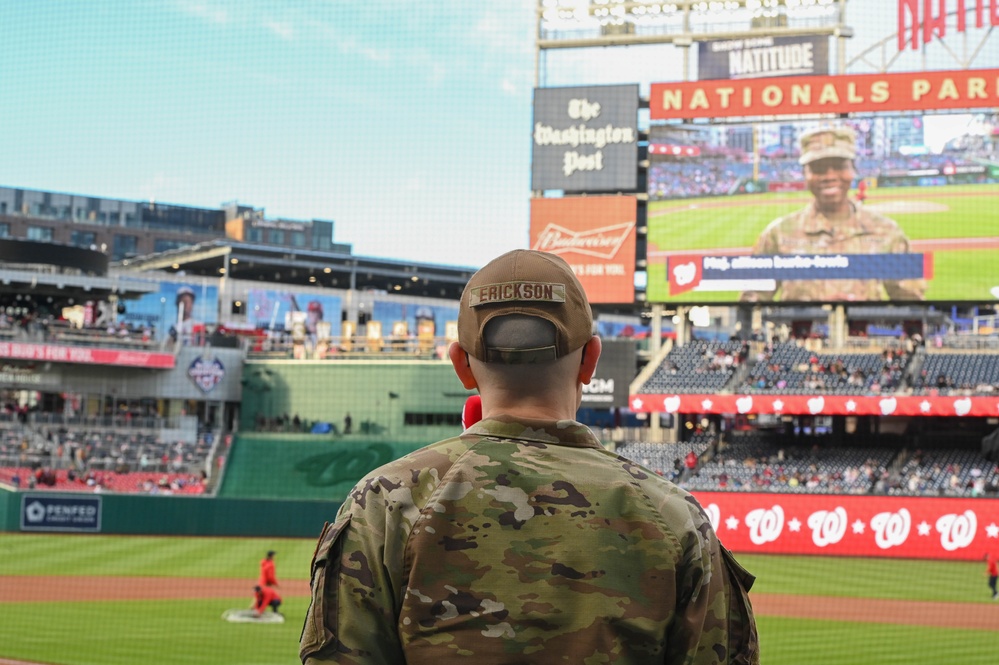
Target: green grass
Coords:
[[799, 641], [697, 225], [192, 632], [148, 632], [896, 579], [139, 556]]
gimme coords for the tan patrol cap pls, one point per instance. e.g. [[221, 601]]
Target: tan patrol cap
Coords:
[[531, 283], [828, 142]]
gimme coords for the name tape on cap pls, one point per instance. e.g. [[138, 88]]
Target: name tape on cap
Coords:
[[516, 292]]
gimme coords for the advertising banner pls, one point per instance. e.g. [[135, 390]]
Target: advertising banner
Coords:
[[177, 309], [585, 138], [742, 220], [408, 318], [860, 93], [616, 369], [86, 355], [272, 309], [62, 512], [596, 236], [815, 405], [846, 525], [758, 57]]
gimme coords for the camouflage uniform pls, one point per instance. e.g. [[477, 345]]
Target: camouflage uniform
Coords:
[[524, 542], [808, 231]]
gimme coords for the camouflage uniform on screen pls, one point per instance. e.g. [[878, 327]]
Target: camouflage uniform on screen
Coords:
[[524, 542], [833, 224], [808, 231]]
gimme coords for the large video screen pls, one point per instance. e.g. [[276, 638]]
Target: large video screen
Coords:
[[734, 216]]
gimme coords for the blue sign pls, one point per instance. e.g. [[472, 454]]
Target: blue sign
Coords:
[[817, 266], [64, 512]]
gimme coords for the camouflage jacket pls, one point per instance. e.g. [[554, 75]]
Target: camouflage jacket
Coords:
[[524, 542], [808, 231]]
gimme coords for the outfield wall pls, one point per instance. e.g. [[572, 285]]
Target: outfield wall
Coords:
[[301, 466], [855, 525], [377, 395], [140, 514]]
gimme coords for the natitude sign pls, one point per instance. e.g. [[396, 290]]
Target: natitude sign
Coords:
[[848, 525]]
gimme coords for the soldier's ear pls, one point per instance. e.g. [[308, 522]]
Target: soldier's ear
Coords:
[[463, 368], [588, 364]]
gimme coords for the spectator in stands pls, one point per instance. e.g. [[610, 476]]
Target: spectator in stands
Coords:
[[833, 224], [464, 546]]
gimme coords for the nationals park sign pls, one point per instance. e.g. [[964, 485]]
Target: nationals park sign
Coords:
[[927, 91]]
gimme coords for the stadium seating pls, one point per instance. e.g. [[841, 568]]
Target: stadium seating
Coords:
[[791, 369], [698, 367], [958, 373], [120, 460]]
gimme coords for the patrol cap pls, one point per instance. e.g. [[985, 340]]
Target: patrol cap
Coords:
[[828, 142], [528, 283]]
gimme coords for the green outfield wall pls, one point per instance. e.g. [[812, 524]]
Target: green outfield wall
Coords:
[[140, 514], [397, 400], [302, 467]]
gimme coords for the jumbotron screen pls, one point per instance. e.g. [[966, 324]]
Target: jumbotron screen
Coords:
[[734, 216]]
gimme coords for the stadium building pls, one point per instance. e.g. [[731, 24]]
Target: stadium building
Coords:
[[278, 344]]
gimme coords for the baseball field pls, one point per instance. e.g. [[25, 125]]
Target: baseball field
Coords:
[[957, 223], [121, 600]]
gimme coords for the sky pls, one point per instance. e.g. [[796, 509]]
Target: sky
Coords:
[[406, 123]]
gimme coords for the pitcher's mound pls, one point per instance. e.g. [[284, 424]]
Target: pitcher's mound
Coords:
[[249, 616]]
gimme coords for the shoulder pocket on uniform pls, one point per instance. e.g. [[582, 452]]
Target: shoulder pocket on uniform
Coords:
[[320, 619], [744, 641]]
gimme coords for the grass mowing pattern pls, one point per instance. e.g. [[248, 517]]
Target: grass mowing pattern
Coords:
[[149, 632], [192, 632], [900, 579], [140, 556], [799, 641]]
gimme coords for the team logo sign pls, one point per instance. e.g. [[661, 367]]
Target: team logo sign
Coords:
[[206, 374]]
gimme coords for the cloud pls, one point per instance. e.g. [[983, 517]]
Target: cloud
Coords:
[[204, 10], [283, 29]]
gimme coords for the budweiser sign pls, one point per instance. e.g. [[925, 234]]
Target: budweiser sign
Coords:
[[603, 243], [596, 237]]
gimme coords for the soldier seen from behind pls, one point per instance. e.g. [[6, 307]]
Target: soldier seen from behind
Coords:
[[523, 540]]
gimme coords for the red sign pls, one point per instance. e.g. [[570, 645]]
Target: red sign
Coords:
[[781, 96], [85, 355], [596, 236], [927, 24], [847, 525], [818, 405]]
